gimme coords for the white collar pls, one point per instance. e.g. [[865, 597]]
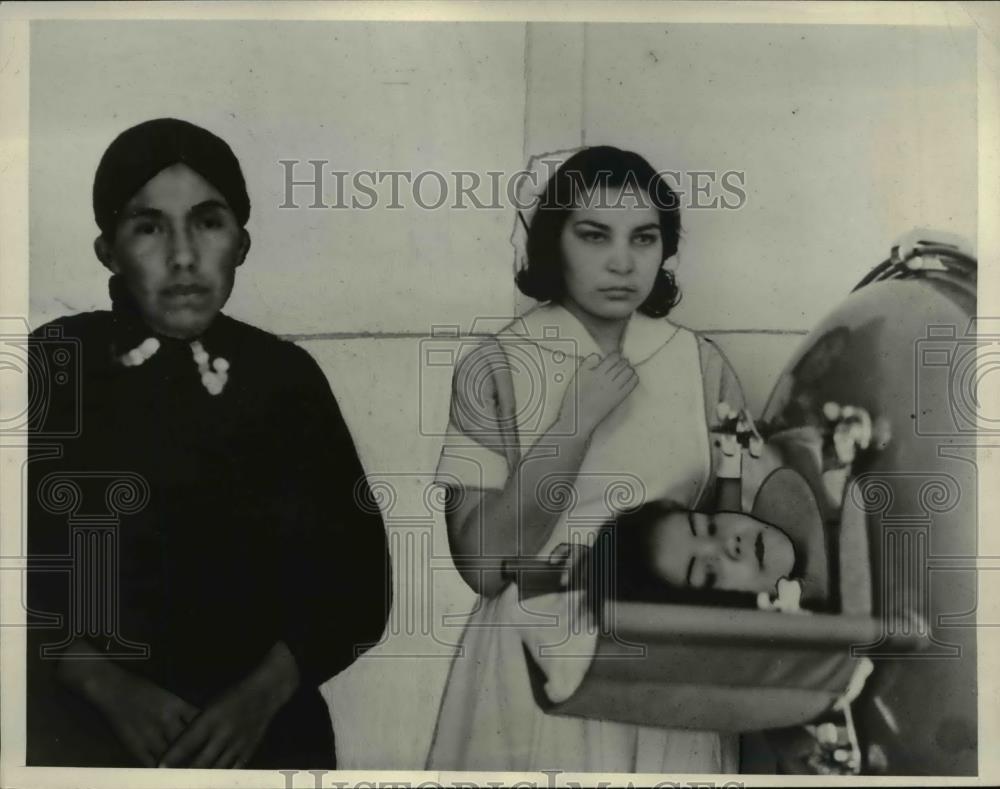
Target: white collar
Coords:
[[557, 329]]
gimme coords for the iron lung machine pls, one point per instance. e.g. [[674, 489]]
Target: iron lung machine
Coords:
[[902, 347], [876, 412]]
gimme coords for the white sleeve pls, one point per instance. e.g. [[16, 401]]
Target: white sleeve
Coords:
[[480, 446]]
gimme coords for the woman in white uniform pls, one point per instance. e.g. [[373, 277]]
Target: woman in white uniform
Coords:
[[589, 404]]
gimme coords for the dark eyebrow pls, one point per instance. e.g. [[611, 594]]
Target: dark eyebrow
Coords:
[[207, 205], [591, 222], [690, 569], [644, 228], [144, 212]]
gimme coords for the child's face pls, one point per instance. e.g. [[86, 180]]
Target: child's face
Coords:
[[726, 550]]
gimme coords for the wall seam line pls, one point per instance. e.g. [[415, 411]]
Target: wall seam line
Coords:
[[407, 335]]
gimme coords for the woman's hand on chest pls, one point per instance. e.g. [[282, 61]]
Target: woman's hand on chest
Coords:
[[597, 389]]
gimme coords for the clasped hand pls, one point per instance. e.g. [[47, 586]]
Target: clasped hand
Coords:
[[226, 733], [161, 729]]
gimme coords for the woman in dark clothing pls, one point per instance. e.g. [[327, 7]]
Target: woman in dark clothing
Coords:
[[246, 566]]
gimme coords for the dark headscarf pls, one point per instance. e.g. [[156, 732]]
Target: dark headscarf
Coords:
[[139, 153]]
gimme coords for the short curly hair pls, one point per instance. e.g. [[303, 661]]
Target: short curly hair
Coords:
[[542, 278]]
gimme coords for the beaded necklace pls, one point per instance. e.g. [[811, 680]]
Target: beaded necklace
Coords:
[[214, 373], [214, 379], [213, 376]]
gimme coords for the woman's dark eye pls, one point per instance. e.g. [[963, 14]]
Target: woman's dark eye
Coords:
[[592, 236], [145, 228], [645, 239], [211, 222]]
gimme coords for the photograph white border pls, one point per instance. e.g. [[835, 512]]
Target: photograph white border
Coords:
[[14, 141]]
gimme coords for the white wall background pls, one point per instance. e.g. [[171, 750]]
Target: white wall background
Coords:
[[849, 136]]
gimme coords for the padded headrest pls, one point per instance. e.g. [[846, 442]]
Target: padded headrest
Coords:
[[786, 501]]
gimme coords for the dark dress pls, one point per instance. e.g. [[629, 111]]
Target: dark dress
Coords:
[[254, 525]]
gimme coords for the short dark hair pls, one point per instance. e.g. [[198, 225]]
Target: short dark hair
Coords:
[[542, 277], [620, 566]]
